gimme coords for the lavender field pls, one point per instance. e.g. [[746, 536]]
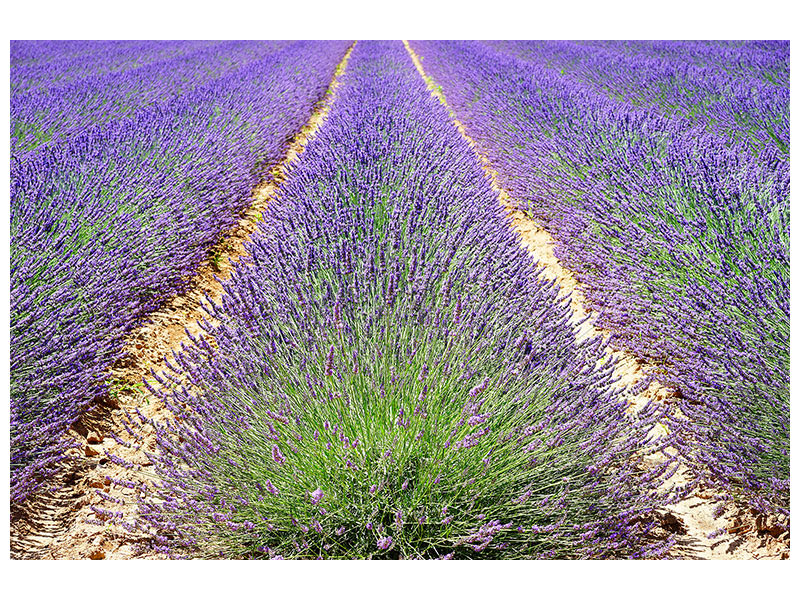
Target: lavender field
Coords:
[[422, 300]]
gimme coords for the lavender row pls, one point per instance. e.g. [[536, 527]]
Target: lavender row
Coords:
[[51, 64], [62, 110], [681, 243], [391, 378], [106, 225], [742, 96]]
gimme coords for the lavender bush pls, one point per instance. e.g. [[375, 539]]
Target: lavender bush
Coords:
[[391, 378], [678, 230], [106, 223]]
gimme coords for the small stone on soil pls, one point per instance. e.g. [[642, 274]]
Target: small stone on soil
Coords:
[[769, 524]]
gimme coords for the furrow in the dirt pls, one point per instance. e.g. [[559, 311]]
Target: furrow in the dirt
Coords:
[[77, 520], [692, 519]]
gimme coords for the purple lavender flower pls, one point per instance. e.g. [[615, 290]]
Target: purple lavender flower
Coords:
[[271, 488], [316, 496], [476, 391], [385, 543], [277, 456], [329, 362]]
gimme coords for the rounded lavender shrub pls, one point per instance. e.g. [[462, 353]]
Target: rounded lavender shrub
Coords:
[[667, 186], [390, 377], [108, 221]]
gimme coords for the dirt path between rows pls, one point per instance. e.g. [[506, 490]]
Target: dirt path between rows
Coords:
[[78, 520], [692, 519]]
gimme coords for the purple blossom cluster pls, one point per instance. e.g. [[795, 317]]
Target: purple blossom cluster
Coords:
[[662, 170], [120, 207], [391, 377]]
